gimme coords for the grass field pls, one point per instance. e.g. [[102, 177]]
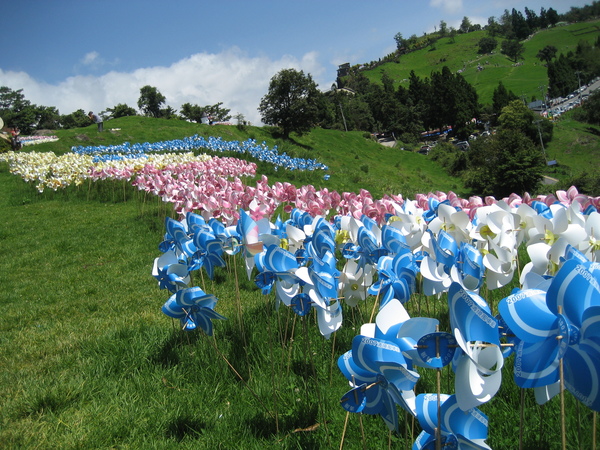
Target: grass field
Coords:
[[529, 79], [89, 361]]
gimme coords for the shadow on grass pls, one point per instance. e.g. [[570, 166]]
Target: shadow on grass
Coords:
[[593, 130], [264, 426], [185, 427]]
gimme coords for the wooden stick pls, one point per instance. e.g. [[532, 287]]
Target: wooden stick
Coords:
[[563, 426], [521, 419], [344, 431]]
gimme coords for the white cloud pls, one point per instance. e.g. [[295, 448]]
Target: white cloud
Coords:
[[451, 6], [230, 77], [90, 58]]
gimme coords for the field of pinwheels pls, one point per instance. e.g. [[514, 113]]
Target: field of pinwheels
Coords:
[[170, 294]]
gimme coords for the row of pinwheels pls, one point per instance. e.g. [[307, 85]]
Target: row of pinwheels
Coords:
[[216, 144], [57, 172], [33, 140], [297, 260]]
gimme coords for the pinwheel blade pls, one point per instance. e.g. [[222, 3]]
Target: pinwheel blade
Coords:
[[470, 426], [279, 260], [582, 373], [536, 364], [392, 239], [355, 400], [389, 320], [370, 353], [474, 388], [329, 318], [427, 411], [172, 309], [575, 288], [248, 229], [528, 316], [399, 375], [471, 315], [590, 326], [323, 238], [352, 372]]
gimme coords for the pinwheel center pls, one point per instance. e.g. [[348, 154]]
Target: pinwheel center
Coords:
[[354, 287]]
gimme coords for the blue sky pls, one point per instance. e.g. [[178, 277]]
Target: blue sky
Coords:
[[92, 55]]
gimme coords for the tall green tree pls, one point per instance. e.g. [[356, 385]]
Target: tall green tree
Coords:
[[121, 110], [513, 49], [487, 44], [290, 102], [504, 163], [518, 117], [17, 111], [75, 119], [501, 98], [465, 25], [150, 101], [547, 53]]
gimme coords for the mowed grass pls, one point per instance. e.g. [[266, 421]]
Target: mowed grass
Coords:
[[89, 361]]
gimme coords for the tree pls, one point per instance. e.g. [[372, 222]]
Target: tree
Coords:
[[17, 111], [443, 28], [75, 119], [518, 117], [513, 49], [400, 42], [121, 110], [504, 163], [493, 28], [452, 35], [547, 53], [552, 17], [533, 21], [519, 25], [290, 102], [150, 101], [501, 98], [195, 113], [591, 109], [190, 112], [48, 118], [465, 25], [487, 45], [561, 77]]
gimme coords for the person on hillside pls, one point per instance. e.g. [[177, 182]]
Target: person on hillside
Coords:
[[14, 138], [96, 119]]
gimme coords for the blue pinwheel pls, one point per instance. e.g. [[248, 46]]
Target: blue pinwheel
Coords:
[[563, 323], [209, 250], [458, 429], [170, 273], [380, 365], [379, 373], [194, 308], [396, 277], [479, 359]]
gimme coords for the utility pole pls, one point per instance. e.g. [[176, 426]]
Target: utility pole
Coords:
[[537, 122]]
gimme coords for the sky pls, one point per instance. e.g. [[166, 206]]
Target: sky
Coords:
[[93, 55]]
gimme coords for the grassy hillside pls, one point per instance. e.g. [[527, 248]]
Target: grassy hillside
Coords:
[[523, 80]]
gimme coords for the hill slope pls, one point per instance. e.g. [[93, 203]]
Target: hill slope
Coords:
[[524, 79]]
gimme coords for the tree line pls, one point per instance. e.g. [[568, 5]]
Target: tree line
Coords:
[[16, 111]]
